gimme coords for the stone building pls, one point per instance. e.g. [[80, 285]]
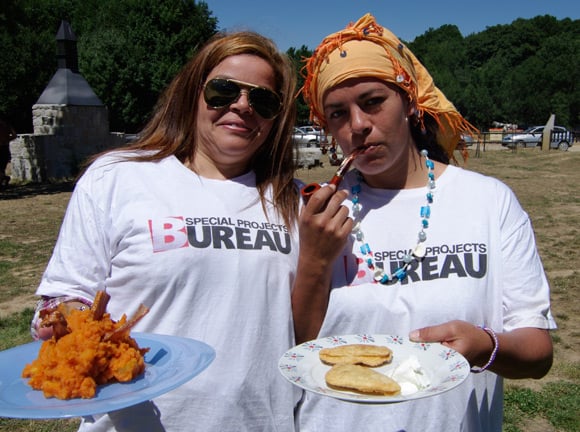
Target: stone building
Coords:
[[70, 123]]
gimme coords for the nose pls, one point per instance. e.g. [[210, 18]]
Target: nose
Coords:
[[359, 122], [242, 103]]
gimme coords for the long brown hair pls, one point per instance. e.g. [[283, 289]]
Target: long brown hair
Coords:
[[171, 130]]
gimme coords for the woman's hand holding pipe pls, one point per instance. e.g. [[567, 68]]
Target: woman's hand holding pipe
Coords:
[[324, 226]]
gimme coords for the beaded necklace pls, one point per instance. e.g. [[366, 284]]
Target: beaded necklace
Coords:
[[379, 274]]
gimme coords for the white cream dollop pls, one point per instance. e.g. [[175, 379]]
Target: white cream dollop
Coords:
[[410, 375]]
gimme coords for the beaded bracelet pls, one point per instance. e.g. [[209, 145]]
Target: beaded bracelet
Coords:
[[493, 336]]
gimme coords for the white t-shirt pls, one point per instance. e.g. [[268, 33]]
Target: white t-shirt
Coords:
[[203, 256], [481, 266]]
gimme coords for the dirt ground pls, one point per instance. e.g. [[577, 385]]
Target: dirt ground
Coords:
[[31, 215]]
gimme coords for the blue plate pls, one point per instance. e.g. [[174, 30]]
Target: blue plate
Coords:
[[170, 362]]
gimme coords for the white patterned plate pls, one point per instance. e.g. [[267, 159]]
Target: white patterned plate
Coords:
[[444, 367]]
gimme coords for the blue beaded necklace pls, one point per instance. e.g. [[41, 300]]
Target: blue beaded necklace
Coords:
[[417, 253]]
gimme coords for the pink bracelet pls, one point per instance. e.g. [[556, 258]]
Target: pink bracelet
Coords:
[[493, 336], [46, 302]]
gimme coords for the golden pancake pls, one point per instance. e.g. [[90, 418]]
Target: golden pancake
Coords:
[[361, 379], [359, 354]]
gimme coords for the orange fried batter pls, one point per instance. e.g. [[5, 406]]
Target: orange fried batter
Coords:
[[89, 355]]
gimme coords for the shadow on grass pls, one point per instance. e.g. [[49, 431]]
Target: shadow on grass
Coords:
[[11, 192]]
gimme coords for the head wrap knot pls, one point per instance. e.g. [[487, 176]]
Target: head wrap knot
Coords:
[[366, 49]]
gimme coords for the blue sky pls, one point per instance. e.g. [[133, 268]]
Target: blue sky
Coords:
[[293, 23]]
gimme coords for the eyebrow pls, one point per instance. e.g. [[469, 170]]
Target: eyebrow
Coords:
[[332, 106], [362, 96]]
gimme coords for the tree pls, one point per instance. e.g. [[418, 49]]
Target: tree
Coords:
[[132, 49], [517, 73], [528, 69], [128, 51], [299, 56], [442, 52], [27, 35]]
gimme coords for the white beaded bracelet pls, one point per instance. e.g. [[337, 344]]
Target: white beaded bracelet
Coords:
[[493, 336]]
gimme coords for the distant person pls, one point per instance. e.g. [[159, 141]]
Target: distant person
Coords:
[[421, 248], [7, 134]]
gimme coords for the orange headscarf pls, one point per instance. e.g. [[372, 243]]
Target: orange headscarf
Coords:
[[365, 49]]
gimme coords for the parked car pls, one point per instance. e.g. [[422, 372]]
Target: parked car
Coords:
[[301, 138], [323, 136], [465, 141], [560, 138], [308, 136], [310, 129]]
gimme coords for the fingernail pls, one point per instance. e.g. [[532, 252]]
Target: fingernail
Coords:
[[414, 335]]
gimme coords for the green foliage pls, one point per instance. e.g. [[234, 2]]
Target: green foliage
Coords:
[[128, 51], [27, 32], [133, 50], [299, 56], [443, 52], [518, 73]]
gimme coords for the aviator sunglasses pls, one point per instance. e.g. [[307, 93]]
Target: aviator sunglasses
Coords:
[[221, 92]]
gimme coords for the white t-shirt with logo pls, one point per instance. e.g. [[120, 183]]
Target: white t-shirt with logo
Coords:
[[203, 256], [481, 266]]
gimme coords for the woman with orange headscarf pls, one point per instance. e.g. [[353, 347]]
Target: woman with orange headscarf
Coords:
[[412, 245]]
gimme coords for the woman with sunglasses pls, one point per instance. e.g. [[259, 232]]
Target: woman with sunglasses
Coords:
[[196, 221], [434, 253]]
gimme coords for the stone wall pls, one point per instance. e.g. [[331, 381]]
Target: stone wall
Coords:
[[307, 157], [64, 137]]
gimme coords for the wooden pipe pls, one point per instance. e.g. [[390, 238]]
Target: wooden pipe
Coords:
[[309, 189]]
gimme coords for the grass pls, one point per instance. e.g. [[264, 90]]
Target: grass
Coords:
[[557, 403], [547, 185], [15, 330], [61, 425]]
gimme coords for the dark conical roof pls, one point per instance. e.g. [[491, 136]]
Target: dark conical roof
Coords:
[[65, 32], [67, 86]]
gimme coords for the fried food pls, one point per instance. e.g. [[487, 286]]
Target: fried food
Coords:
[[55, 318], [94, 350], [361, 379], [356, 354]]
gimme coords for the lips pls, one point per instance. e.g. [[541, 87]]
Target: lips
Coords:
[[367, 148], [238, 126]]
